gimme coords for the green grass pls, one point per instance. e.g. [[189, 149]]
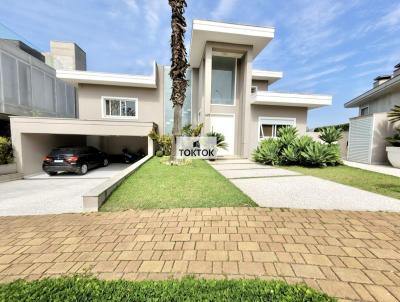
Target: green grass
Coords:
[[84, 289], [362, 179], [157, 185]]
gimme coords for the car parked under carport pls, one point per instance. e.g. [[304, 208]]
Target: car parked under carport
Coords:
[[34, 137]]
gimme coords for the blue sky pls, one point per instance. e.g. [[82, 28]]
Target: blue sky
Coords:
[[327, 47]]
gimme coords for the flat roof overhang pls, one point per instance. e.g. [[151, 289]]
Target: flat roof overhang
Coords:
[[43, 125], [291, 99], [386, 87], [203, 31], [267, 75], [101, 78]]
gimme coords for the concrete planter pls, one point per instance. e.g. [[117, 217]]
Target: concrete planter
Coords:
[[394, 156], [8, 169]]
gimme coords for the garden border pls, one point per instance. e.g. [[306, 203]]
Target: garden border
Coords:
[[93, 199]]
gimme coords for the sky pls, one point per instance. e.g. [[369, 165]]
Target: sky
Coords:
[[333, 47]]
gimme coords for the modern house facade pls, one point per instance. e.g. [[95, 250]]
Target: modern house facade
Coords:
[[369, 129], [114, 111]]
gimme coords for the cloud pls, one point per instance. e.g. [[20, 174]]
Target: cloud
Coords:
[[132, 4], [224, 9], [390, 20]]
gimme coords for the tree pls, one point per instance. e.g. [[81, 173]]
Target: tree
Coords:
[[179, 65]]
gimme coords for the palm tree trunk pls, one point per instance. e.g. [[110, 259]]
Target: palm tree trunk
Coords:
[[178, 67]]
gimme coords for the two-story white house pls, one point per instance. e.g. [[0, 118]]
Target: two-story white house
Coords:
[[225, 93]]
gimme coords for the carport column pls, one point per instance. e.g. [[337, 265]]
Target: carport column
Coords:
[[150, 146], [16, 139], [207, 86]]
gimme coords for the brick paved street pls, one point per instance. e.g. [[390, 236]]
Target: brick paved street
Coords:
[[350, 255]]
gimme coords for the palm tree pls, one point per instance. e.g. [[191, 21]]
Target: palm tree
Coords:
[[394, 115], [179, 65]]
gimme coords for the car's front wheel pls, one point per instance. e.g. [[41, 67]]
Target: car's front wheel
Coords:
[[83, 169], [105, 162]]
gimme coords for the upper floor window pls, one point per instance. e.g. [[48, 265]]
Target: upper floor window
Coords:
[[115, 107], [223, 80], [364, 111]]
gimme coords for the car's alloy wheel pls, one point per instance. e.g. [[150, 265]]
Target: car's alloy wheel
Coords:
[[84, 169], [105, 162]]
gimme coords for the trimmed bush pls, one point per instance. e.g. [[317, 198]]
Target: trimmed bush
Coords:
[[68, 289], [290, 149], [6, 151], [159, 153]]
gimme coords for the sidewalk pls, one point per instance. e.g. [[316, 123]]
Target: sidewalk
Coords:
[[388, 170], [350, 255]]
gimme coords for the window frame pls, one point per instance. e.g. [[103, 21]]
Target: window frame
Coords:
[[234, 82], [119, 117], [362, 108], [274, 122]]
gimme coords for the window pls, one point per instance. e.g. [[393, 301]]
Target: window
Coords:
[[223, 80], [119, 107], [254, 89], [269, 127], [364, 111]]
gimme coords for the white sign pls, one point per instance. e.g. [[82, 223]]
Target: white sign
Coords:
[[202, 147]]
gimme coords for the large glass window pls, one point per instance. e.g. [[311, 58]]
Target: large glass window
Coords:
[[120, 107], [223, 80]]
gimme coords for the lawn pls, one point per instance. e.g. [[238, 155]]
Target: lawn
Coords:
[[68, 289], [157, 185], [362, 179]]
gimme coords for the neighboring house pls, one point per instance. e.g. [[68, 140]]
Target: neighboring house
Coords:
[[369, 129], [119, 110]]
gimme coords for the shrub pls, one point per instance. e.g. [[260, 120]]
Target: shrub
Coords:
[[159, 153], [330, 135], [320, 155], [221, 143], [6, 151], [268, 152], [77, 288], [289, 149], [394, 114], [395, 139], [189, 130], [164, 142]]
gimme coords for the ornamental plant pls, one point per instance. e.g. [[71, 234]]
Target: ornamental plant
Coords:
[[290, 149], [6, 151]]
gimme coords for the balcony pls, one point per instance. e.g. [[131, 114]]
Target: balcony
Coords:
[[290, 99]]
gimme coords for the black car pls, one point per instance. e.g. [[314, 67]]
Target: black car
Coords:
[[73, 159]]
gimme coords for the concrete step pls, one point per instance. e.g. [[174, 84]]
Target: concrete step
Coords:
[[11, 177]]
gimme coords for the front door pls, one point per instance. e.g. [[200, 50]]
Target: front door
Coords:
[[225, 124]]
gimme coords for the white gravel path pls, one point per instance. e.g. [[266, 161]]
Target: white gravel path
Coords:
[[272, 187]]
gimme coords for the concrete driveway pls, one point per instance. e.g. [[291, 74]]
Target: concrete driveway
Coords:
[[275, 187], [41, 194]]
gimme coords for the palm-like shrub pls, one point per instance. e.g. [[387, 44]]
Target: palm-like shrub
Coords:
[[395, 139], [189, 130], [394, 114], [319, 155], [290, 149], [268, 152], [221, 143], [330, 135]]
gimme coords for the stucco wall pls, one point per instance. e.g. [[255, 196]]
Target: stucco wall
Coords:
[[299, 113], [150, 101], [382, 128], [261, 85]]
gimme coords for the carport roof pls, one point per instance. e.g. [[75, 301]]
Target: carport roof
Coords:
[[43, 125]]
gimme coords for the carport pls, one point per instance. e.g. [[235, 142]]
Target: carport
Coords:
[[34, 137]]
